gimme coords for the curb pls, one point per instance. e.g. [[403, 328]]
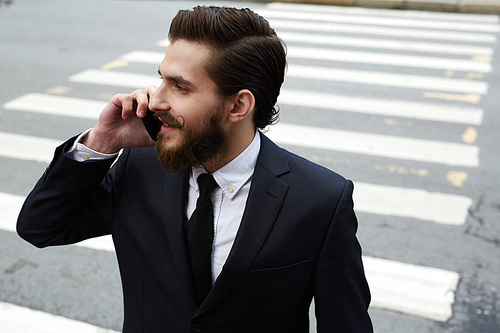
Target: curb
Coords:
[[460, 6]]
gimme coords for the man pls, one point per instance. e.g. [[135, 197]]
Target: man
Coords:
[[283, 229]]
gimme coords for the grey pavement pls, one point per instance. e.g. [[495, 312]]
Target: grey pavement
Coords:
[[44, 43]]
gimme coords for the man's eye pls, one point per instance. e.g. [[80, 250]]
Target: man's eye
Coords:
[[180, 88]]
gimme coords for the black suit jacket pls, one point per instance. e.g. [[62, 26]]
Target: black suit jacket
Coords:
[[296, 240]]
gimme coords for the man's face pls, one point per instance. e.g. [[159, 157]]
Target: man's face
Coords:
[[192, 112]]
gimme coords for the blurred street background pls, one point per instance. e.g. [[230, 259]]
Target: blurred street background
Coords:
[[405, 103]]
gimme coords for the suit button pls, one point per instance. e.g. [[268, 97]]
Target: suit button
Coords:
[[196, 327]]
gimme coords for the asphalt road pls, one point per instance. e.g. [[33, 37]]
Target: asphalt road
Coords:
[[444, 172]]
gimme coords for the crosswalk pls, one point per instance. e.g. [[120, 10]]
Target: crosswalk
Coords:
[[396, 45], [14, 319]]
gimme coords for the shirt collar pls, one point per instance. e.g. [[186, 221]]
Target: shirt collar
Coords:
[[232, 176]]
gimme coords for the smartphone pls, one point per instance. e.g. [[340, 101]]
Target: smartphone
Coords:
[[152, 125]]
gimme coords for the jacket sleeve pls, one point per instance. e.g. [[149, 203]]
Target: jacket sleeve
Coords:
[[71, 202], [341, 292]]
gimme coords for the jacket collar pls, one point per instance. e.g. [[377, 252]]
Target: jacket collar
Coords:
[[175, 192]]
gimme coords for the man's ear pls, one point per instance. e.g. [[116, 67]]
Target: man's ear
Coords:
[[241, 106]]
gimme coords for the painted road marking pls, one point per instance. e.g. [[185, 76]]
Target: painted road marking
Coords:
[[411, 202], [474, 65], [19, 319], [90, 109], [384, 21], [10, 206], [388, 59], [457, 178], [115, 64], [41, 149], [57, 105], [132, 80], [58, 90], [114, 78], [364, 77], [467, 98], [389, 31], [416, 290], [470, 135], [400, 45], [147, 57], [376, 145], [420, 14], [29, 148], [349, 56], [385, 107], [388, 79]]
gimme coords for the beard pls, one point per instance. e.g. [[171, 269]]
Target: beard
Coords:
[[198, 145]]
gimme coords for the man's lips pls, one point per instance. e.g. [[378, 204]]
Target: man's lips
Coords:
[[166, 129]]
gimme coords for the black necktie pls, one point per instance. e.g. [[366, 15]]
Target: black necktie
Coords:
[[200, 235]]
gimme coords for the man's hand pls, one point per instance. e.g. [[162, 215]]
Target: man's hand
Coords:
[[119, 125]]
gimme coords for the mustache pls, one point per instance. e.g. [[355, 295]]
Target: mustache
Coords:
[[169, 119]]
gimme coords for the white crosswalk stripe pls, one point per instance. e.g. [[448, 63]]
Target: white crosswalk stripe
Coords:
[[442, 41], [16, 146], [18, 319], [362, 57], [309, 72], [376, 145], [22, 147], [113, 78], [409, 202], [148, 57], [84, 108], [388, 59], [386, 44], [57, 105], [443, 16], [383, 31], [133, 80], [330, 74], [388, 79], [384, 21], [383, 107], [421, 291]]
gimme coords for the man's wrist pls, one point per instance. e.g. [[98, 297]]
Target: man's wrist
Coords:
[[98, 145], [81, 153]]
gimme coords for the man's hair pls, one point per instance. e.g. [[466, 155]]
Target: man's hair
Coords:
[[246, 54]]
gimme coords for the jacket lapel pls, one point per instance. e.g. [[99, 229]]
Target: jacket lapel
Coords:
[[175, 196], [265, 198]]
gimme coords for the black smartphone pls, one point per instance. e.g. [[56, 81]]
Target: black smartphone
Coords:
[[152, 125]]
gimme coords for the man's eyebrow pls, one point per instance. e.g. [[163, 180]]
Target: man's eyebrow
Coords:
[[178, 79]]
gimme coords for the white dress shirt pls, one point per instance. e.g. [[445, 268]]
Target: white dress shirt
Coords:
[[229, 199]]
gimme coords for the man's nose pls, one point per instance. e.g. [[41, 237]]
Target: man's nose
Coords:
[[158, 102]]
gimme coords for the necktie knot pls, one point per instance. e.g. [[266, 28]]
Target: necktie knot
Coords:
[[207, 185]]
